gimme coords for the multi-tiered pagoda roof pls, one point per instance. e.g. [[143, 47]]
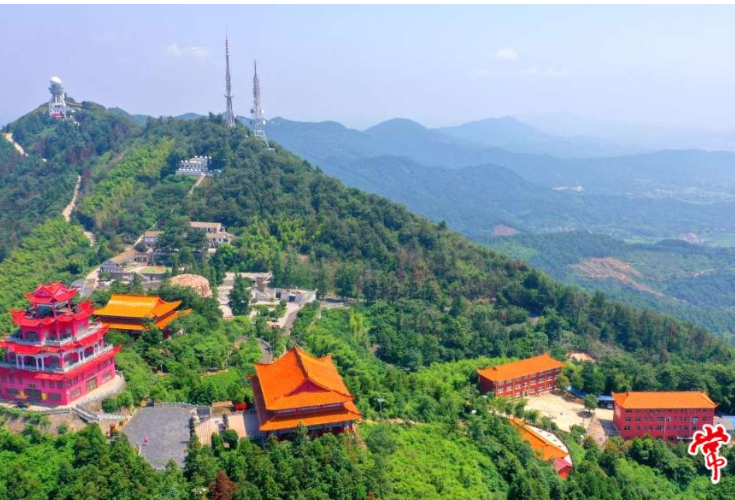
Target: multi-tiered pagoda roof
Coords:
[[58, 353]]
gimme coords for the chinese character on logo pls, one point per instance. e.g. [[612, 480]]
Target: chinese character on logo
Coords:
[[709, 440]]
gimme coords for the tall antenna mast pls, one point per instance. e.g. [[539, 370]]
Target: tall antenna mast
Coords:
[[258, 121], [229, 114]]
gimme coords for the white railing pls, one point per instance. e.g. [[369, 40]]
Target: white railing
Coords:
[[57, 369], [80, 335]]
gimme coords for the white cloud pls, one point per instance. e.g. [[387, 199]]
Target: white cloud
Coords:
[[176, 51], [506, 54], [549, 72], [108, 36]]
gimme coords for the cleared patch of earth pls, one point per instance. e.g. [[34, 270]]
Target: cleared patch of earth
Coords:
[[503, 230], [610, 268]]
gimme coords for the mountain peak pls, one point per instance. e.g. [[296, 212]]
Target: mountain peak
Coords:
[[396, 125]]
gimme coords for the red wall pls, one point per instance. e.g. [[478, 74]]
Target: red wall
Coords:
[[677, 423], [530, 385], [66, 393]]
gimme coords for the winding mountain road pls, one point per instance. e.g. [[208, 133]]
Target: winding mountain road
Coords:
[[66, 213], [18, 147]]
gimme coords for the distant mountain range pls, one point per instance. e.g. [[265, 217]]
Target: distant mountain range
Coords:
[[475, 187], [646, 137]]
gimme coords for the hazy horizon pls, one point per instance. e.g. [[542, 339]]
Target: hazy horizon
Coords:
[[438, 65]]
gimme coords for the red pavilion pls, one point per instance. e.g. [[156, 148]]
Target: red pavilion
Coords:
[[58, 354]]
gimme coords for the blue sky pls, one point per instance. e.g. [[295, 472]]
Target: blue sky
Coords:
[[440, 65]]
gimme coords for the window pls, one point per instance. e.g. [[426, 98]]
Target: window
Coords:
[[626, 428], [12, 392], [627, 419], [54, 396]]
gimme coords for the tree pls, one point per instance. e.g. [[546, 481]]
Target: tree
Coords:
[[344, 280], [562, 382], [380, 440], [594, 379], [222, 488], [521, 488], [322, 280], [137, 284], [239, 299], [532, 416], [519, 408], [590, 403]]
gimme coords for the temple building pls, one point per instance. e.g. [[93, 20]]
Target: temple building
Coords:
[[665, 415], [518, 379], [299, 388], [135, 313], [546, 446], [58, 354]]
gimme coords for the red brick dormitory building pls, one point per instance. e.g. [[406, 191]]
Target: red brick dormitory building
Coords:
[[665, 415], [518, 379]]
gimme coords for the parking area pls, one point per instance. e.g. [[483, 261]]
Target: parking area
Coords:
[[162, 433], [567, 411]]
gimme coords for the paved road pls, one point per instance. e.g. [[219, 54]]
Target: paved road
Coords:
[[266, 355], [223, 295], [286, 321]]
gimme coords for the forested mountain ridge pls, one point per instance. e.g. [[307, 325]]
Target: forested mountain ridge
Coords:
[[37, 187], [431, 307], [692, 282], [669, 192]]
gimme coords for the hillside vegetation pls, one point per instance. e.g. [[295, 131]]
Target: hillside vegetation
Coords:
[[692, 282], [430, 307]]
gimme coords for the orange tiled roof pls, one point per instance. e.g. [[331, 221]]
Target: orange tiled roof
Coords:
[[346, 413], [270, 421], [521, 368], [139, 326], [298, 380], [137, 306], [663, 400], [547, 449]]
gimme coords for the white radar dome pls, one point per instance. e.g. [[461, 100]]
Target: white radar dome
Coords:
[[56, 80]]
